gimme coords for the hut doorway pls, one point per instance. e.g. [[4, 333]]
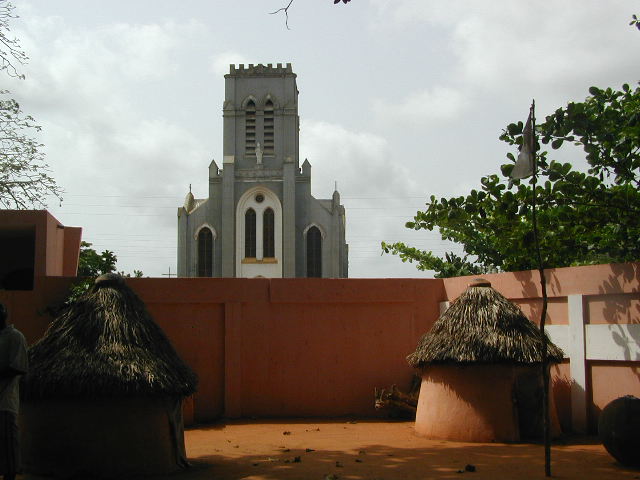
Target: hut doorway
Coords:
[[528, 404]]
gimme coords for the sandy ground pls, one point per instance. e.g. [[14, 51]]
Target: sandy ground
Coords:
[[380, 450]]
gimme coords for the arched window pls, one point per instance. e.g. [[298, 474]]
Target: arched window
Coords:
[[205, 253], [314, 252], [250, 128], [250, 233], [268, 128], [268, 234]]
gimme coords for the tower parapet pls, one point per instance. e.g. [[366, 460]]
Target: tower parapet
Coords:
[[260, 69]]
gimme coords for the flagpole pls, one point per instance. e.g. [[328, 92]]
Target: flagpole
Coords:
[[543, 314]]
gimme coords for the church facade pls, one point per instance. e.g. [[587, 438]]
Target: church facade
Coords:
[[260, 219]]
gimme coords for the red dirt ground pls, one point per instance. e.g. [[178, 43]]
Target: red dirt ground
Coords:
[[375, 450], [265, 450]]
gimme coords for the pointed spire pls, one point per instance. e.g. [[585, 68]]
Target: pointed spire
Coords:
[[306, 168], [214, 171], [336, 196], [189, 201]]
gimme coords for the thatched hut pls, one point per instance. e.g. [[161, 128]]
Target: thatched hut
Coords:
[[481, 371], [104, 393]]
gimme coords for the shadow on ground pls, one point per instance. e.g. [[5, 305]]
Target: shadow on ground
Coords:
[[292, 449]]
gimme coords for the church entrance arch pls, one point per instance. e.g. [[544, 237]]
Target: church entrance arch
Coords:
[[259, 234]]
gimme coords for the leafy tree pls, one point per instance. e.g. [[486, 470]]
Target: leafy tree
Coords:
[[24, 181], [583, 218], [93, 264]]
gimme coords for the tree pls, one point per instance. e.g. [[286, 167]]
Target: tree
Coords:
[[93, 264], [10, 50], [584, 218], [24, 178]]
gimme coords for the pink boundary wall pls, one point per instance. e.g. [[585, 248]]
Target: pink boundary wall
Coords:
[[318, 347]]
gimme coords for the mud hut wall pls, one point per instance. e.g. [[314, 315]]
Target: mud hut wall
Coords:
[[594, 315]]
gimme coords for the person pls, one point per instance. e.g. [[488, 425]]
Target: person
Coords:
[[13, 364]]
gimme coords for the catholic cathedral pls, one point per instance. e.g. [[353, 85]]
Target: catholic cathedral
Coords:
[[260, 219]]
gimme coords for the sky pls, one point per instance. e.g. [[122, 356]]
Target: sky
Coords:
[[399, 100]]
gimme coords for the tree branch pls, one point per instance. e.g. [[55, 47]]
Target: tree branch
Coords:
[[286, 13]]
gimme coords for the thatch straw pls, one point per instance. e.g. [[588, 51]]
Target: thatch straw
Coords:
[[482, 326], [106, 345]]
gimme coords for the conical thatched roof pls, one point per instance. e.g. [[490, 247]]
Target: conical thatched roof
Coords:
[[482, 326], [106, 345]]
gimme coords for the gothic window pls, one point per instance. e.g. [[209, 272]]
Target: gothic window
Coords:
[[268, 128], [205, 253], [268, 233], [314, 252], [250, 233], [250, 128]]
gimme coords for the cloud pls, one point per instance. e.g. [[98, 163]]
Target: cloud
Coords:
[[361, 162], [113, 130], [508, 45], [378, 193], [220, 62], [89, 93], [436, 104]]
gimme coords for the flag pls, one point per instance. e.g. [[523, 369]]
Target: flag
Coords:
[[525, 164]]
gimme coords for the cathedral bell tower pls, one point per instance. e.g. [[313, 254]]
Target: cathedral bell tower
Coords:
[[261, 153], [260, 219]]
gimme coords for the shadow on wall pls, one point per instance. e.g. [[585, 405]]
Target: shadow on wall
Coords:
[[623, 309], [530, 282], [562, 395], [530, 288]]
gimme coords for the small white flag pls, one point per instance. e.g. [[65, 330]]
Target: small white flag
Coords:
[[525, 164]]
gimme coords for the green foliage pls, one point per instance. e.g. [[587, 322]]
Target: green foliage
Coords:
[[607, 126], [92, 264], [583, 218], [451, 266]]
